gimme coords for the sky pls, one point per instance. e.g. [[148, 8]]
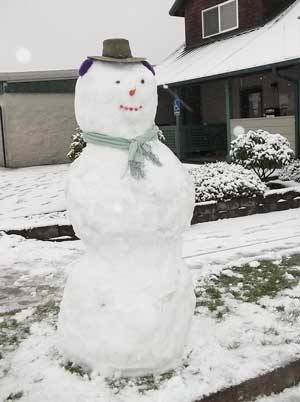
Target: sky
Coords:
[[59, 34]]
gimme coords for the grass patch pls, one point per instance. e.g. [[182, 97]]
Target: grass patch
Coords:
[[248, 283], [48, 310], [12, 333], [14, 396], [76, 369], [143, 384]]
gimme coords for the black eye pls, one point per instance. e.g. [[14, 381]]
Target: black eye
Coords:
[[142, 81], [118, 82]]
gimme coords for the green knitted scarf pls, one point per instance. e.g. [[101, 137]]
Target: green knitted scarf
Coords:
[[138, 148]]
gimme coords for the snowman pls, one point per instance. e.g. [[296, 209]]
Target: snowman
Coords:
[[128, 302]]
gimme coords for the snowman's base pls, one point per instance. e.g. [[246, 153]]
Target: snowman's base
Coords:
[[136, 331]]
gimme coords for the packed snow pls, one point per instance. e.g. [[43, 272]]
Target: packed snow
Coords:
[[131, 288]]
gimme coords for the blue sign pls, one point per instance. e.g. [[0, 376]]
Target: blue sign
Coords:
[[177, 107]]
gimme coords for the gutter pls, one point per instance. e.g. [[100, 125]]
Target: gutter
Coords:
[[237, 73]]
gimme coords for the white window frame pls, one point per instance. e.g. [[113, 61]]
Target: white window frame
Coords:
[[218, 6]]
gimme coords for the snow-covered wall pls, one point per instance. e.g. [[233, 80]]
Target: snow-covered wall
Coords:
[[38, 128]]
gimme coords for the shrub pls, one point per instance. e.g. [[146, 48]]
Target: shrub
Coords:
[[262, 152], [291, 172], [224, 181], [77, 145]]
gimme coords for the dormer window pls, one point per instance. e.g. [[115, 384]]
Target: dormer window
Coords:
[[221, 18]]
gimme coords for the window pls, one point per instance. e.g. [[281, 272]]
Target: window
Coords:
[[251, 103], [220, 18]]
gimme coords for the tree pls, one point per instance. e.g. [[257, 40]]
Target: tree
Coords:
[[261, 152], [77, 145]]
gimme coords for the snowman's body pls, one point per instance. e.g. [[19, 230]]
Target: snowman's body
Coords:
[[129, 301]]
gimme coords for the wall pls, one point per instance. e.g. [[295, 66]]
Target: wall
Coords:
[[284, 125], [38, 128], [213, 102], [250, 15]]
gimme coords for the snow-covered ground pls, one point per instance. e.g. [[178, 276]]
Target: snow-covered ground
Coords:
[[231, 339], [289, 395], [27, 194]]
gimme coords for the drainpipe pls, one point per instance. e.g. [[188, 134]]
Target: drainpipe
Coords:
[[296, 83], [2, 137]]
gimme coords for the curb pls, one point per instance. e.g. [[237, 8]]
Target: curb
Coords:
[[273, 382], [52, 232]]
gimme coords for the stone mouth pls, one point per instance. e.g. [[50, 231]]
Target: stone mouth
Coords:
[[131, 108]]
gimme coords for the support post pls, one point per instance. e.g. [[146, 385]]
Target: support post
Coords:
[[228, 98], [178, 138], [296, 83], [297, 116]]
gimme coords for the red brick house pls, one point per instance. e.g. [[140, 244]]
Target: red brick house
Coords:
[[239, 68]]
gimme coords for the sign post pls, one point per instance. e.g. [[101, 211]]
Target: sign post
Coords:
[[177, 112]]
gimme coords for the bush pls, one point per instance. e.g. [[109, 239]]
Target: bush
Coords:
[[291, 172], [262, 152], [223, 181], [77, 145]]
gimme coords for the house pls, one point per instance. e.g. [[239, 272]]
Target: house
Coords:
[[238, 69], [36, 117]]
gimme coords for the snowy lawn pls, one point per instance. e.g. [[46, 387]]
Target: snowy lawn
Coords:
[[32, 195], [246, 273]]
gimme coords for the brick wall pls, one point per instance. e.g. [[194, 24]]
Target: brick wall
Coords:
[[252, 13]]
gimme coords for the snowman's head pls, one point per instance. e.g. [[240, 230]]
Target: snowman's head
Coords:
[[115, 98]]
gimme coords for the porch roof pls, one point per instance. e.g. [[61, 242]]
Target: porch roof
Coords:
[[277, 42]]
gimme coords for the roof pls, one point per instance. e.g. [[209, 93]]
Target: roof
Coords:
[[177, 10], [277, 42], [39, 75]]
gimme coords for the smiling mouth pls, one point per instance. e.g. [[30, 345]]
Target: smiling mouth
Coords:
[[131, 108]]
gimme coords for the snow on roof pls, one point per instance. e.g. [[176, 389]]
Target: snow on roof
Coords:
[[276, 42], [39, 75]]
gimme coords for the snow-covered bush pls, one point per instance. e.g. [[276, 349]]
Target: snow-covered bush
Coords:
[[76, 146], [223, 181], [262, 152], [291, 172]]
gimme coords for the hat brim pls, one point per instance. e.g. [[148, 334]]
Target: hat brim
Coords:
[[115, 60]]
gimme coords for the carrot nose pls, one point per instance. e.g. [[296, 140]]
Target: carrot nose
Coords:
[[132, 92]]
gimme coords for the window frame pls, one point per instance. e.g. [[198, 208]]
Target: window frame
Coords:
[[218, 6]]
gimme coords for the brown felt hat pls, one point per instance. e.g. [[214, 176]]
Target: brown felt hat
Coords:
[[117, 50]]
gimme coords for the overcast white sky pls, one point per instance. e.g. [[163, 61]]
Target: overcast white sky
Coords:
[[59, 34]]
